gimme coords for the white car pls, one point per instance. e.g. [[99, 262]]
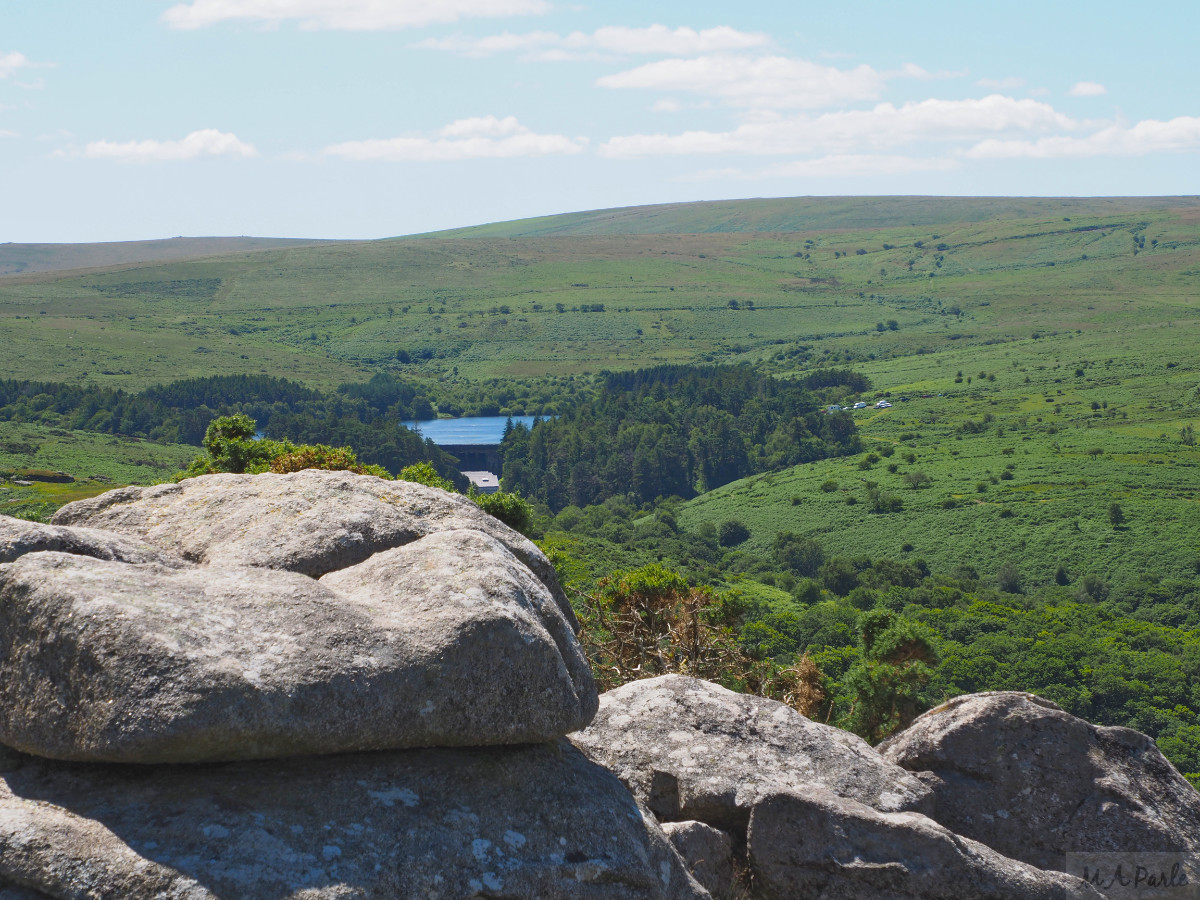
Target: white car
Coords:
[[835, 408], [883, 404], [860, 405]]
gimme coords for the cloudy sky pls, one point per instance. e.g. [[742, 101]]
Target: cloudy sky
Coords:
[[368, 118]]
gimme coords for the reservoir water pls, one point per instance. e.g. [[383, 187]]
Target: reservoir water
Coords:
[[467, 430]]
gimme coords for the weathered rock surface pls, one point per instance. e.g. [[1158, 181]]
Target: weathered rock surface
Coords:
[[446, 641], [312, 522], [690, 749], [16, 892], [818, 846], [1035, 783], [708, 854], [18, 537], [516, 822]]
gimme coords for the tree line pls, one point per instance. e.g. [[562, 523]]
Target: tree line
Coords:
[[366, 417], [671, 431]]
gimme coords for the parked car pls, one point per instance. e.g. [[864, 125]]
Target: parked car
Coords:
[[835, 408], [860, 405], [883, 404]]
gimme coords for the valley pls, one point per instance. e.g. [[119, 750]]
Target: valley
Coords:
[[1039, 356]]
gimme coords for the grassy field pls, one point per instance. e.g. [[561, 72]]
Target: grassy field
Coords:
[[1023, 461], [792, 214], [96, 461], [521, 306], [31, 259]]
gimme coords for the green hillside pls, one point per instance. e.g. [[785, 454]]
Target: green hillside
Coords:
[[805, 214], [518, 307], [33, 259]]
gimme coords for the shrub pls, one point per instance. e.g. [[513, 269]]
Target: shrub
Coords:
[[510, 508], [1116, 515], [231, 446], [1008, 579], [1091, 588], [895, 665], [839, 576], [424, 473], [801, 555], [883, 502], [731, 532], [917, 480], [319, 456], [651, 621], [829, 486]]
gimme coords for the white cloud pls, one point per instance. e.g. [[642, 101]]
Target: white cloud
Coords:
[[5, 133], [656, 40], [859, 165], [483, 137], [1001, 84], [770, 82], [849, 131], [862, 165], [1180, 135], [11, 63], [912, 70], [208, 142], [1088, 89], [347, 15], [668, 105]]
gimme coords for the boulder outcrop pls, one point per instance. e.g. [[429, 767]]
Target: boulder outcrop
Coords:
[[325, 686], [18, 537], [17, 892], [520, 822], [708, 854], [690, 749], [819, 846], [1036, 783], [447, 641], [312, 522]]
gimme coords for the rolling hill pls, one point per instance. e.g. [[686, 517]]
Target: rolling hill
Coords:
[[802, 214], [515, 307], [34, 259]]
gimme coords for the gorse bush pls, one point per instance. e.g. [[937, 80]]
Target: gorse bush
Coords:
[[651, 621], [231, 446]]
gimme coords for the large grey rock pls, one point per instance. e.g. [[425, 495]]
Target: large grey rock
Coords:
[[690, 749], [708, 854], [515, 822], [818, 846], [312, 522], [1034, 782], [447, 641], [18, 537], [17, 892]]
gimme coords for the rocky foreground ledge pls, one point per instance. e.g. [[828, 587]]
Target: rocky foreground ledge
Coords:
[[326, 686]]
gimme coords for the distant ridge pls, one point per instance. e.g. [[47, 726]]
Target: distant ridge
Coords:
[[32, 259], [792, 214]]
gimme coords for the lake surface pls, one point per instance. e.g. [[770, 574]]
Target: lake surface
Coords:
[[467, 430]]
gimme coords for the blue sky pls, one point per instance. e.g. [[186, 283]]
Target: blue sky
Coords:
[[368, 118]]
